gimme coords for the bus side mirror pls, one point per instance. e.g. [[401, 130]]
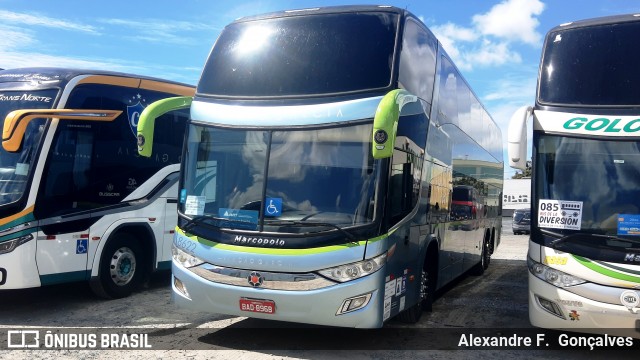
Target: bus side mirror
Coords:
[[15, 124], [385, 122], [517, 138], [147, 121]]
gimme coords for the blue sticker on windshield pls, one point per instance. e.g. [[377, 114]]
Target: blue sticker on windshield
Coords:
[[273, 207], [183, 196], [241, 219], [629, 224]]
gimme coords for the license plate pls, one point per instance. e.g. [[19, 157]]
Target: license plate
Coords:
[[258, 306]]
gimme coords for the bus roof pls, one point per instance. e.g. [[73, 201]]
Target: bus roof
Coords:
[[64, 75], [322, 10], [615, 19]]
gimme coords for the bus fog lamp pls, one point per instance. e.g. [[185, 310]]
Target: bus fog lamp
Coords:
[[354, 303], [550, 306], [180, 287], [355, 270]]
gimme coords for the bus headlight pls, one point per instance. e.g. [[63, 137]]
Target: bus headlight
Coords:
[[184, 258], [9, 246], [355, 270], [552, 276]]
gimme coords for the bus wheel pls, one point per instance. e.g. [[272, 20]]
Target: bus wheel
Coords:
[[485, 259], [121, 268], [413, 314]]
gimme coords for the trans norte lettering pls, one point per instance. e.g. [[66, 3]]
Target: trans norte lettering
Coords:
[[558, 220], [24, 97], [603, 124], [243, 240]]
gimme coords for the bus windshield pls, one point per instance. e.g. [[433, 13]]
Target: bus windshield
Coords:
[[302, 56], [322, 176], [16, 166], [591, 66], [612, 167]]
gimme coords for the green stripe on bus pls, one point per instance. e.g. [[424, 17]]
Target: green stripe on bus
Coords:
[[605, 271], [286, 252], [617, 268], [17, 234], [21, 220], [65, 277]]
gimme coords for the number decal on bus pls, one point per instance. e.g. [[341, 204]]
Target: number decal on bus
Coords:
[[3, 276]]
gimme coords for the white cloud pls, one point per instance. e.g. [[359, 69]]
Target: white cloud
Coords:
[[450, 35], [513, 20], [151, 30], [504, 97], [489, 39], [519, 88], [161, 30], [41, 20], [14, 37], [493, 54], [17, 59], [455, 32]]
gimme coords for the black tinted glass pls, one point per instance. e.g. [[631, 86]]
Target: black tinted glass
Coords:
[[302, 55], [594, 65]]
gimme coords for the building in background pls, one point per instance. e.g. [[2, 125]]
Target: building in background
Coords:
[[516, 195]]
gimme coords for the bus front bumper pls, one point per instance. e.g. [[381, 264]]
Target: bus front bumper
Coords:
[[318, 306], [18, 268], [555, 308]]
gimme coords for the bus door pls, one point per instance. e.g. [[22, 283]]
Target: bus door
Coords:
[[64, 203]]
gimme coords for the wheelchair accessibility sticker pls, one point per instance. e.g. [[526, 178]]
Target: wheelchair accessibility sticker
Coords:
[[273, 207], [81, 246]]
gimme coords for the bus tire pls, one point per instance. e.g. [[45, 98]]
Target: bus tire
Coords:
[[427, 287], [121, 268], [485, 258]]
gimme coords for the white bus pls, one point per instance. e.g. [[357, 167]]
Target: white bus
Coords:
[[76, 200], [324, 151], [584, 250]]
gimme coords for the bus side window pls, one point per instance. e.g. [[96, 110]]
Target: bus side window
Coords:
[[67, 176], [418, 61]]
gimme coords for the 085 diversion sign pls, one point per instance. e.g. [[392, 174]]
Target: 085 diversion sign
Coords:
[[560, 214]]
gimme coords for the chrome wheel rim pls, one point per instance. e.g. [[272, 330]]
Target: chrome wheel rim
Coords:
[[123, 266]]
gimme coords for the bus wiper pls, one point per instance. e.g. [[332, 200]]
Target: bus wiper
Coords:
[[555, 243], [201, 219], [551, 233], [312, 223]]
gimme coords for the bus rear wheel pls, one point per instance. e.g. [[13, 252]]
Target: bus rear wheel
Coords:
[[121, 268], [485, 259]]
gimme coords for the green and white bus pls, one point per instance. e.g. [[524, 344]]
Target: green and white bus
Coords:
[[321, 154], [584, 250], [77, 202]]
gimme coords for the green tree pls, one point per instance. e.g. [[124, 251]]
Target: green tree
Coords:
[[522, 174]]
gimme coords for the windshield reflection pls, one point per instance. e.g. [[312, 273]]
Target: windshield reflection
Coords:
[[602, 174], [15, 167], [324, 177]]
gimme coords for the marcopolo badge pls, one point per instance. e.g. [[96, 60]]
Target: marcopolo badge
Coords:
[[630, 299]]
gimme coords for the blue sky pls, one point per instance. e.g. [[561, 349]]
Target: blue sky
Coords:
[[495, 43]]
